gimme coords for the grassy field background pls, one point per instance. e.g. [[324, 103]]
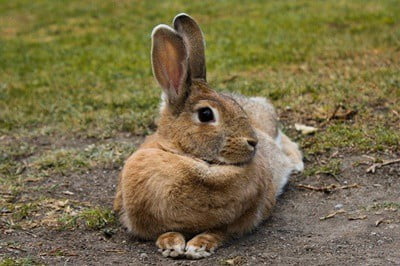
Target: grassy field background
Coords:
[[77, 92]]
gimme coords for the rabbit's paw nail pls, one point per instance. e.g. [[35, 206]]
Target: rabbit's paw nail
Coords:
[[201, 246], [171, 244]]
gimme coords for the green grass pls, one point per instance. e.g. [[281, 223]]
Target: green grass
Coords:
[[359, 137], [18, 262], [77, 75], [110, 155], [59, 214], [23, 211], [92, 219], [393, 206], [85, 68], [333, 168]]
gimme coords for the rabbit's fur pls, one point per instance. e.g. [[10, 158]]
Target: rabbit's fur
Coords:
[[218, 178]]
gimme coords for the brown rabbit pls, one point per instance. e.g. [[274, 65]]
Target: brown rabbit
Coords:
[[215, 164]]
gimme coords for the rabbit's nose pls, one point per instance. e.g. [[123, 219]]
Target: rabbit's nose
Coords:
[[252, 142]]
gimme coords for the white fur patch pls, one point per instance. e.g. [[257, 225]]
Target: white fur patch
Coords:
[[261, 100], [278, 139], [193, 252], [299, 167], [163, 102], [283, 181]]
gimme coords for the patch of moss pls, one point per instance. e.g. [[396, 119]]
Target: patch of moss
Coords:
[[352, 137], [11, 155], [385, 205], [23, 211], [97, 218], [333, 168], [92, 219], [7, 261]]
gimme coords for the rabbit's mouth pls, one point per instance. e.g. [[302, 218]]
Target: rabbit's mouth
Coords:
[[235, 158]]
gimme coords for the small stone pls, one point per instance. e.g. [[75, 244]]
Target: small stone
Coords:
[[338, 206], [305, 130], [8, 231]]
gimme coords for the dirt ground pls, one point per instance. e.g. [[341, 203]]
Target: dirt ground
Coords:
[[365, 229], [77, 96]]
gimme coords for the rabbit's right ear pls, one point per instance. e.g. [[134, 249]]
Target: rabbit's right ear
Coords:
[[170, 63], [188, 28]]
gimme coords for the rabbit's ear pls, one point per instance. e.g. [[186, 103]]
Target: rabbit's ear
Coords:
[[170, 62], [194, 41]]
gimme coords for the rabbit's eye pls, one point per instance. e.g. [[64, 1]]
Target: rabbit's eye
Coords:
[[206, 115]]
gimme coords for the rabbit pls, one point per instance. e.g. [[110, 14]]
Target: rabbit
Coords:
[[214, 166]]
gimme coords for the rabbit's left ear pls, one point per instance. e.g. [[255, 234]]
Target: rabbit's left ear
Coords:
[[170, 64], [194, 42]]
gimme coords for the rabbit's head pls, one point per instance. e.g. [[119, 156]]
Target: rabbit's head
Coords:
[[194, 118]]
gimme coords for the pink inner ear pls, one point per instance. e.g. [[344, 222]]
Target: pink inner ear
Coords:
[[174, 67], [169, 58]]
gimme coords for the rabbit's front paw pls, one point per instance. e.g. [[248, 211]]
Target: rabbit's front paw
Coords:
[[202, 245], [171, 244]]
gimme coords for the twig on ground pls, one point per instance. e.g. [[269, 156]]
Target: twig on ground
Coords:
[[383, 220], [18, 249], [341, 115], [327, 189], [331, 215], [29, 233], [373, 167], [346, 114], [59, 252], [360, 217], [33, 179], [119, 251], [369, 157], [334, 112]]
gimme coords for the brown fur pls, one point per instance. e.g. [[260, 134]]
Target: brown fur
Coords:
[[201, 178]]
